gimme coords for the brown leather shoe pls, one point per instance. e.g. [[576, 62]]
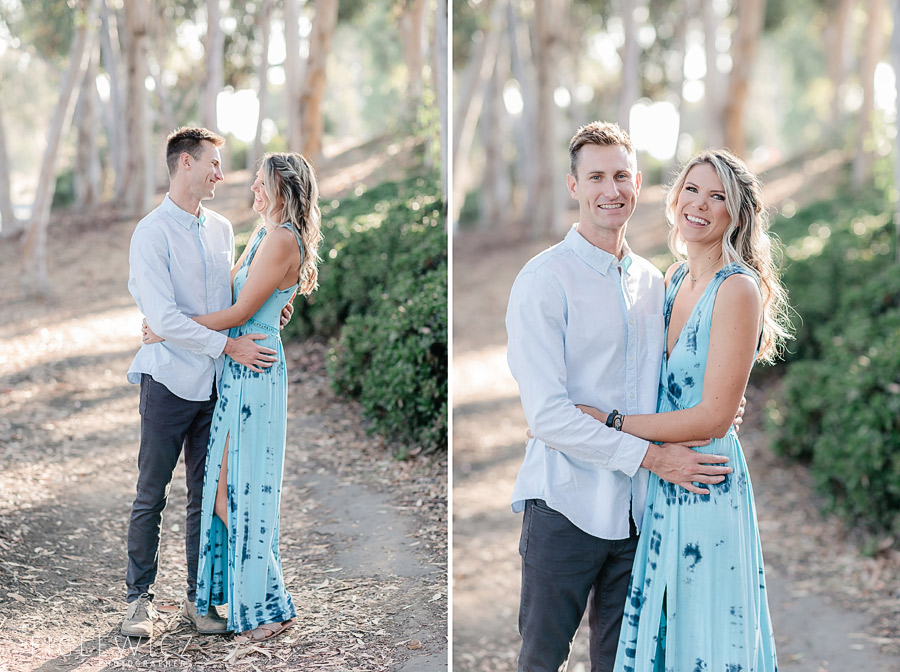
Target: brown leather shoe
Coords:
[[209, 623]]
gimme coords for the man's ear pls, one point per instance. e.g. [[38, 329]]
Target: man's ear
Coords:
[[572, 182], [637, 183]]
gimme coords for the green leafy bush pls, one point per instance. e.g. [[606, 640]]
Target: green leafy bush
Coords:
[[839, 409], [392, 229], [394, 358], [383, 297]]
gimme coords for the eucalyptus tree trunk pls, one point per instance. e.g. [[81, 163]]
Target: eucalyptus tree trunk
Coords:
[[545, 213], [630, 54], [412, 24], [139, 189], [471, 99], [263, 31], [837, 53], [113, 112], [522, 68], [292, 71], [215, 64], [895, 63], [86, 174], [872, 51], [751, 16], [9, 223], [679, 47], [36, 235], [312, 119], [441, 29], [495, 184], [713, 82]]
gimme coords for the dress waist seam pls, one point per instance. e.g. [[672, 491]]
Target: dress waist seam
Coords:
[[265, 327]]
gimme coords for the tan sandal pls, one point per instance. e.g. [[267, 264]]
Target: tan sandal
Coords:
[[263, 632]]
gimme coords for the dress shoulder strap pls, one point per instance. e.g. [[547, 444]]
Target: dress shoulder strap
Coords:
[[297, 236]]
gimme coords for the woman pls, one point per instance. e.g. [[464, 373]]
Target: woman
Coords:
[[697, 598], [239, 558]]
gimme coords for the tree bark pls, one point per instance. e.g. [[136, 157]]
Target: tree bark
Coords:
[[215, 64], [9, 223], [412, 23], [87, 155], [522, 68], [713, 82], [895, 63], [470, 102], [113, 111], [630, 54], [751, 15], [835, 37], [263, 32], [441, 29], [873, 49], [495, 184], [139, 185], [312, 119], [36, 236], [545, 213], [292, 71]]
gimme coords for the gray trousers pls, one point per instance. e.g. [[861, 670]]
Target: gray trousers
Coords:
[[564, 569], [168, 423]]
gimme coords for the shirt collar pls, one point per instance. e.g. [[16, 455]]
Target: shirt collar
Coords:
[[600, 260], [182, 217]]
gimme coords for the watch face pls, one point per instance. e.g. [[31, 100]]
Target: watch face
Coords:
[[617, 423]]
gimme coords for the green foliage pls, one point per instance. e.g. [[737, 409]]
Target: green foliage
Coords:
[[839, 409], [394, 358], [371, 238], [383, 291], [64, 191]]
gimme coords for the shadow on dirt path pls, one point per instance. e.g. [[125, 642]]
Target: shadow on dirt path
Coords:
[[363, 537], [820, 585]]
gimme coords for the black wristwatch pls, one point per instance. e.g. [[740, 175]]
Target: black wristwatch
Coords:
[[615, 420]]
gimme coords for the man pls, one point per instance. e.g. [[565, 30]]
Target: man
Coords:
[[180, 266], [585, 326]]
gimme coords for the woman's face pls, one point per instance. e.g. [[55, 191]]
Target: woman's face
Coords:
[[701, 214], [261, 201]]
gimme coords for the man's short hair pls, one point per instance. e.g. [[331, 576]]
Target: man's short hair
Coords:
[[188, 139], [602, 133]]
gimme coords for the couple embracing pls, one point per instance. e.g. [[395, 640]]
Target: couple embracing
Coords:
[[629, 505], [222, 398]]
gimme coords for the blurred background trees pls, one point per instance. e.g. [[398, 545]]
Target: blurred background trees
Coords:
[[91, 88], [769, 79]]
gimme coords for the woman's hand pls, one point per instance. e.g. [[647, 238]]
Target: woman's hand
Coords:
[[147, 335]]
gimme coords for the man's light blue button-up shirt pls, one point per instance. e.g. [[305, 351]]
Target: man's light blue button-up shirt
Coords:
[[585, 328], [180, 267]]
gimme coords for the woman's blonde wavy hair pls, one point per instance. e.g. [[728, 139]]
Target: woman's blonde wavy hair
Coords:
[[291, 177], [746, 241]]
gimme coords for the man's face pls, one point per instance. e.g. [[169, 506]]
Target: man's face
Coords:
[[606, 187], [205, 172]]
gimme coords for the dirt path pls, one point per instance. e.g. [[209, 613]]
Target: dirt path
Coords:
[[833, 609], [363, 537]]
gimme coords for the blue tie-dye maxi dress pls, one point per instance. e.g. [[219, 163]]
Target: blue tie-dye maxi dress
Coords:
[[241, 565], [697, 599]]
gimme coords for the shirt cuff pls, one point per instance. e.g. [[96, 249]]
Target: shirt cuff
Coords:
[[217, 345], [630, 454]]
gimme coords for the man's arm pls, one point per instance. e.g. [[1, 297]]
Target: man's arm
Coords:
[[536, 325], [151, 286]]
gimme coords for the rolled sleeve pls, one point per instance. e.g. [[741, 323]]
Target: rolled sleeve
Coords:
[[536, 323]]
